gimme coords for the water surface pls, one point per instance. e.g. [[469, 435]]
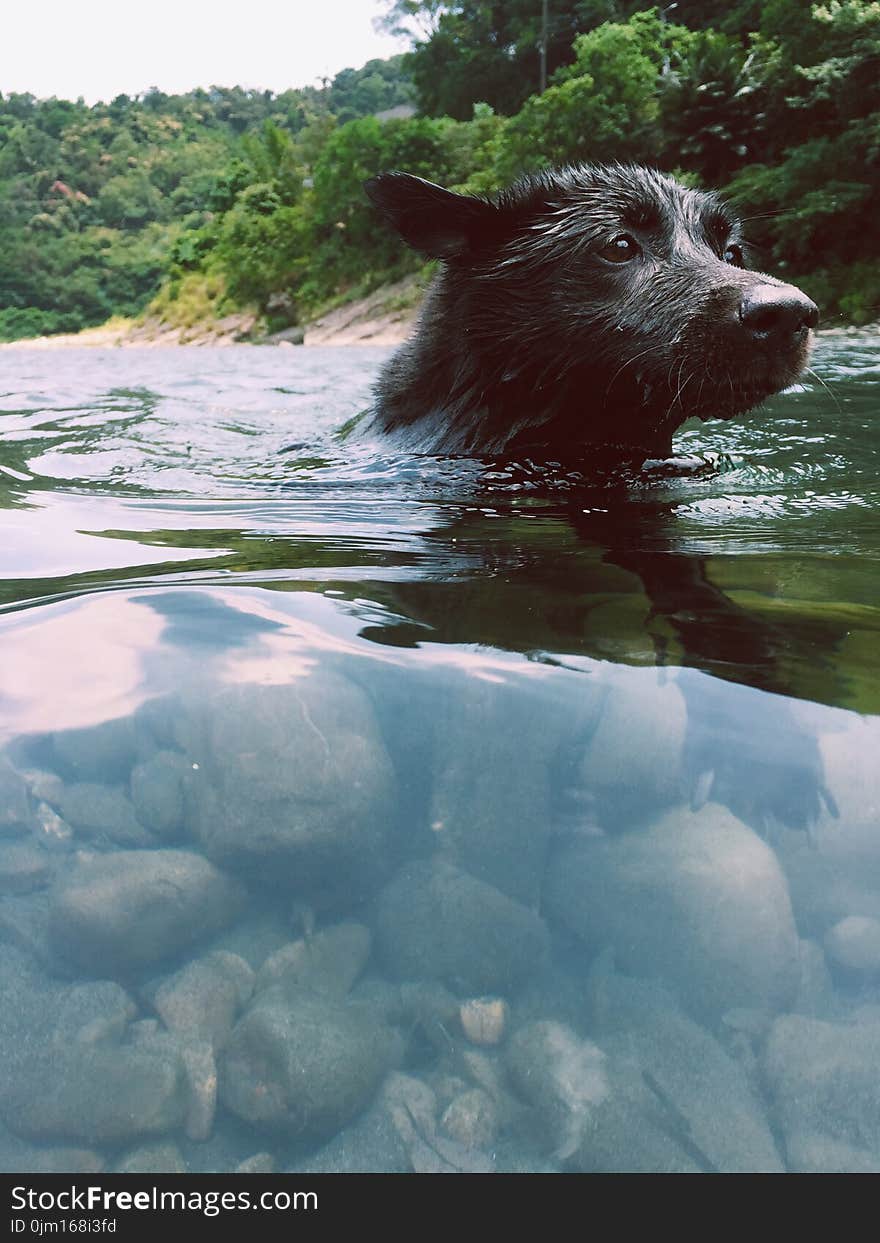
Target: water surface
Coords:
[[554, 800]]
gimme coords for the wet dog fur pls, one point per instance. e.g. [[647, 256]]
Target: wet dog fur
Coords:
[[583, 313]]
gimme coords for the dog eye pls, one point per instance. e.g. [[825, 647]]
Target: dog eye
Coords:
[[734, 255], [621, 249]]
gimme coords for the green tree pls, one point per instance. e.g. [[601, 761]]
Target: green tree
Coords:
[[605, 106]]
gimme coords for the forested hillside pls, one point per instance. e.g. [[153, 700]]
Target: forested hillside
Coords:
[[224, 199], [94, 199]]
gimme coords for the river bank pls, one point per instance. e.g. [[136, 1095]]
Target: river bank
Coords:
[[384, 317]]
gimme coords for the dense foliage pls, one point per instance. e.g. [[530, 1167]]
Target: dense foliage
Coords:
[[98, 203], [226, 198]]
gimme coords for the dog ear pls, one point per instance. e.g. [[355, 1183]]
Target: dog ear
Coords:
[[435, 221]]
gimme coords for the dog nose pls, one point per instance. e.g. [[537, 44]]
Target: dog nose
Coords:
[[777, 311]]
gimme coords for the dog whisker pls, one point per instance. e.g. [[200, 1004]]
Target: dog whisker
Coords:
[[826, 387]]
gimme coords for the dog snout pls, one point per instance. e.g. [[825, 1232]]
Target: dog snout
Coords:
[[777, 313]]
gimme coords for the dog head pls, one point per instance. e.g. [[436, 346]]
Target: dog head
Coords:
[[612, 282]]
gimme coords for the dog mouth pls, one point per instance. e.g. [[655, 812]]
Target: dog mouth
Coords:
[[742, 385], [727, 405]]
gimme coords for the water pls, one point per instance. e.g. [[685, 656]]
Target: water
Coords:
[[374, 812]]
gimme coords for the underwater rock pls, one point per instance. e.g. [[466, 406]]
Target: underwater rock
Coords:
[[121, 912], [203, 999], [292, 783], [302, 1064], [102, 812], [484, 1019], [815, 994], [157, 786], [702, 1097], [711, 1103], [200, 1067], [822, 1078], [28, 1159], [471, 1119], [328, 962], [152, 1159], [95, 1094], [561, 1075], [630, 1132], [259, 1163], [491, 782], [426, 1007], [23, 867], [371, 1144], [434, 921], [851, 774], [412, 1107], [833, 870], [633, 762], [697, 900], [597, 1113], [51, 830], [24, 922], [259, 933], [854, 944], [94, 1013]]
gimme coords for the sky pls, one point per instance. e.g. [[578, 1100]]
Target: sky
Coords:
[[103, 48]]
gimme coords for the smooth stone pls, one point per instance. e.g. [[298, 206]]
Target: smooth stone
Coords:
[[203, 999], [157, 793], [694, 1076], [820, 1153], [43, 784], [707, 1097], [292, 783], [471, 1119], [303, 1064], [370, 1144], [562, 1075], [329, 961], [697, 900], [822, 1078], [23, 867], [412, 1107], [257, 935], [103, 813], [629, 1132], [426, 1006], [162, 1158], [484, 1019], [24, 922], [125, 911], [42, 1160], [633, 762], [94, 1013], [854, 943], [200, 1068], [434, 921], [492, 759], [849, 759], [95, 1094], [259, 1163], [51, 830], [832, 871]]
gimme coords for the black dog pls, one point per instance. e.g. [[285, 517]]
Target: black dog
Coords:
[[583, 312]]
